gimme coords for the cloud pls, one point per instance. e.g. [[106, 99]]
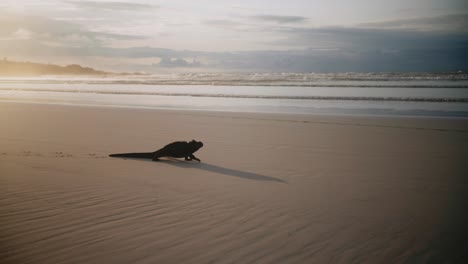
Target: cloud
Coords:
[[280, 19], [119, 6], [444, 32], [41, 29], [239, 26], [347, 60], [390, 46], [358, 49], [177, 63], [22, 33], [457, 22], [223, 23]]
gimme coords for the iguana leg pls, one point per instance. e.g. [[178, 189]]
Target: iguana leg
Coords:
[[156, 157], [195, 158]]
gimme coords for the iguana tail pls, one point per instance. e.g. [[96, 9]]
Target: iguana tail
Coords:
[[142, 155]]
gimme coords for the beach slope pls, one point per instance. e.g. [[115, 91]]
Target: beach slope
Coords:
[[270, 188]]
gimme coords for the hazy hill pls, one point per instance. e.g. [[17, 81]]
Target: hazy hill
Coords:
[[15, 68]]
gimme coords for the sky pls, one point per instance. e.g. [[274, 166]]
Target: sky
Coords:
[[241, 35]]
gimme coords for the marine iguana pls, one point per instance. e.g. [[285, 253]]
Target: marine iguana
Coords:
[[178, 149]]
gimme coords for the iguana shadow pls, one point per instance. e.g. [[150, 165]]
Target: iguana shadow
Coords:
[[221, 170], [213, 168]]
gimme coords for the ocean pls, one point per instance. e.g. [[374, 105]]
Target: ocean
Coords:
[[390, 94]]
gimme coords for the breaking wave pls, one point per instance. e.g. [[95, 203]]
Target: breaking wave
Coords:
[[385, 80], [250, 96]]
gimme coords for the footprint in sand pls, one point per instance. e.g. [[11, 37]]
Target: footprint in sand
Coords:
[[27, 153], [60, 154]]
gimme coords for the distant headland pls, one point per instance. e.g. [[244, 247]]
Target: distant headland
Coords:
[[17, 68]]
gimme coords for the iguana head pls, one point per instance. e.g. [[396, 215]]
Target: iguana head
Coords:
[[196, 144]]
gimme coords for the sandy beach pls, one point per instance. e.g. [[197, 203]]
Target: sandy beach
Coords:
[[271, 188]]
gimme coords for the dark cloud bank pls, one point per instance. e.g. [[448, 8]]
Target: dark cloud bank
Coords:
[[349, 50], [280, 19]]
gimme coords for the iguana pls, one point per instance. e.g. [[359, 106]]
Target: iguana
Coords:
[[179, 149]]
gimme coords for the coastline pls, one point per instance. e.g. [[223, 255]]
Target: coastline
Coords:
[[270, 188]]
